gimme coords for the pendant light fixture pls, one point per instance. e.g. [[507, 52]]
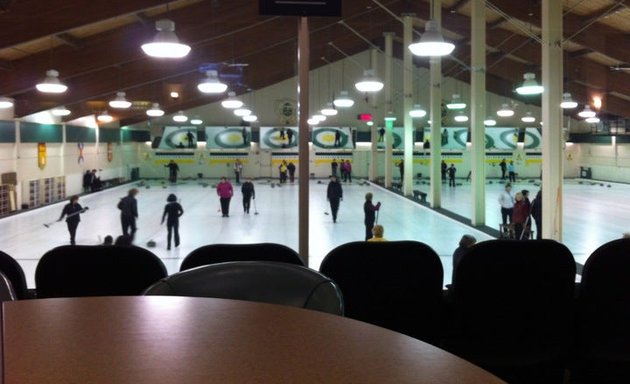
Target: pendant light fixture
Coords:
[[586, 112], [329, 110], [250, 118], [417, 112], [456, 102], [592, 120], [343, 100], [390, 116], [231, 102], [312, 121], [51, 83], [155, 111], [319, 117], [242, 111], [212, 84], [489, 122], [60, 111], [369, 82], [180, 117], [5, 102], [530, 86], [165, 44], [120, 101], [528, 118], [568, 102], [196, 120], [104, 117], [505, 111], [461, 117], [432, 42]]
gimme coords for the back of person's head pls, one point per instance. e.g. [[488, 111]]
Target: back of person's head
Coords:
[[171, 198], [123, 240], [508, 185], [74, 198], [109, 240], [378, 230], [132, 192], [525, 192], [467, 241], [368, 196]]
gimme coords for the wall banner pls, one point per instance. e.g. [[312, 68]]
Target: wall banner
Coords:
[[228, 137], [41, 155], [179, 138]]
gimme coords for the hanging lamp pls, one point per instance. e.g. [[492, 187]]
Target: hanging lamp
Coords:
[[155, 111], [165, 44], [369, 82], [432, 42], [343, 100], [60, 111], [231, 102], [505, 111], [489, 122], [417, 111], [120, 101], [568, 102], [51, 83], [528, 118], [456, 102], [180, 117], [587, 112], [5, 102], [212, 84], [104, 117], [530, 86]]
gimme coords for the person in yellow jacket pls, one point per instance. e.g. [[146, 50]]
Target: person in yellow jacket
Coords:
[[283, 171], [377, 233]]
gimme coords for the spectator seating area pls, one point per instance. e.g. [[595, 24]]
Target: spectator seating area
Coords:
[[513, 307]]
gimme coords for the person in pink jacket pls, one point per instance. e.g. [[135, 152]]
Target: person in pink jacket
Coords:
[[225, 192]]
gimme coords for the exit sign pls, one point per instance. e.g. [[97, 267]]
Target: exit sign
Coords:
[[364, 116]]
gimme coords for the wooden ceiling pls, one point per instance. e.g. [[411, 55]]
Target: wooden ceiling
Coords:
[[95, 46]]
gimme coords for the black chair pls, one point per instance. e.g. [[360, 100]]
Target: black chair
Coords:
[[261, 281], [96, 270], [395, 284], [512, 308], [602, 340], [6, 290], [14, 272], [221, 253]]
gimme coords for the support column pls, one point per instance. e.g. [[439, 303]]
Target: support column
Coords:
[[552, 152], [377, 118], [436, 118], [303, 157], [389, 137], [407, 182], [478, 113]]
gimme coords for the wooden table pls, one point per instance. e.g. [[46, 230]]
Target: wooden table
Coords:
[[164, 339]]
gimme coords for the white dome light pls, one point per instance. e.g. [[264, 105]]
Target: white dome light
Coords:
[[180, 117], [211, 83], [105, 117], [196, 121], [120, 101], [489, 122], [568, 102], [369, 82], [456, 102], [60, 111], [431, 42], [51, 83], [587, 112], [5, 102], [417, 112], [329, 110], [528, 118], [530, 86], [165, 44], [312, 121], [231, 102], [155, 111], [505, 111], [461, 117], [242, 111], [319, 117], [592, 120], [343, 101], [250, 118]]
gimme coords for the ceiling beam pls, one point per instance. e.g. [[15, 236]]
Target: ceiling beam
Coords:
[[70, 40]]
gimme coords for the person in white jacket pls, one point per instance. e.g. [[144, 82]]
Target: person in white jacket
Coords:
[[506, 200]]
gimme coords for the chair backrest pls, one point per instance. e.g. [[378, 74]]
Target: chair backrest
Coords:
[[395, 284], [513, 299], [262, 281], [6, 290], [220, 253], [604, 301], [96, 270], [14, 272]]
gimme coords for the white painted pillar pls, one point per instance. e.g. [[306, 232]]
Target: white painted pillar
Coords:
[[377, 119], [552, 151], [478, 112], [407, 104], [389, 38], [435, 195]]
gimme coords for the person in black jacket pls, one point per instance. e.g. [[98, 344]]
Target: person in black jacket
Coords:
[[536, 212], [172, 211], [128, 206], [173, 168], [247, 189], [370, 214], [334, 194], [71, 211]]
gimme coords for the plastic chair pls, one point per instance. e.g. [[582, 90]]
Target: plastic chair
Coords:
[[96, 270], [14, 272], [220, 253], [6, 290], [395, 285], [512, 308], [261, 281], [602, 341]]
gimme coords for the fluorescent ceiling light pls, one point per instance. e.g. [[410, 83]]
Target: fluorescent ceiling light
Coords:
[[51, 83], [60, 111], [369, 82], [417, 112], [120, 101], [505, 111], [165, 44], [155, 111], [343, 101], [587, 112], [431, 42], [231, 102], [568, 102], [211, 83], [456, 102], [530, 86]]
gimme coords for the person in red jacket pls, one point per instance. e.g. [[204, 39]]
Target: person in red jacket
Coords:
[[520, 215], [225, 192]]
